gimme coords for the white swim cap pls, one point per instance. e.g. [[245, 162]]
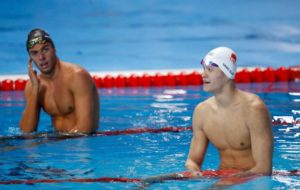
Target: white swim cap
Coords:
[[225, 58]]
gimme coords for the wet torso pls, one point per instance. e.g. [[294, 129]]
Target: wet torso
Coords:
[[227, 130], [57, 99]]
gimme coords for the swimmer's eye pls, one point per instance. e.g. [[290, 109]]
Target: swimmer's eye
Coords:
[[46, 48], [210, 65]]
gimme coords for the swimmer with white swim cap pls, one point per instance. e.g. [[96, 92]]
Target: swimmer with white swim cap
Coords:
[[236, 122], [224, 58]]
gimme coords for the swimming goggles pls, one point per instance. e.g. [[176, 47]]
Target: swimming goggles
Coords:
[[38, 40], [210, 64]]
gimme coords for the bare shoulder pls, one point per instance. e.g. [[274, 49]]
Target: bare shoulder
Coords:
[[205, 105], [257, 111], [253, 101], [74, 69], [76, 74]]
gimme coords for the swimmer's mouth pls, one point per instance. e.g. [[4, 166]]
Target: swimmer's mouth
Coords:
[[44, 65], [206, 81]]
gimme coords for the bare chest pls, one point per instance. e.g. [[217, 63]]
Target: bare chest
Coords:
[[56, 100], [228, 131]]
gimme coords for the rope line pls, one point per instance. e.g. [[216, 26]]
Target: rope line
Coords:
[[119, 132], [159, 178]]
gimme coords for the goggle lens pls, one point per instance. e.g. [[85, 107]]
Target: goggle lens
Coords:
[[35, 41], [208, 65]]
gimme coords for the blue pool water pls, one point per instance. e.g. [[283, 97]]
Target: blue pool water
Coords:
[[144, 154], [118, 35], [133, 35]]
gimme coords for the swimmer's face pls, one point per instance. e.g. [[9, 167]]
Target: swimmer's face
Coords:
[[44, 57], [213, 79]]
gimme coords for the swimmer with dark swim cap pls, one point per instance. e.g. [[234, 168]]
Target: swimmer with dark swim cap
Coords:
[[65, 91], [38, 36], [236, 122]]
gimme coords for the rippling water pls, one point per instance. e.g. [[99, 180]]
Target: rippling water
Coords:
[[145, 154]]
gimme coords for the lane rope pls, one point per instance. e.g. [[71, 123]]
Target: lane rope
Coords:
[[129, 131], [243, 75], [152, 179]]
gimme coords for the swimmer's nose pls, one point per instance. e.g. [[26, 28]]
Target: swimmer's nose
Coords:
[[204, 74], [41, 56]]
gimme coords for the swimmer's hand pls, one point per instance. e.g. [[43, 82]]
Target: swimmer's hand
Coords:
[[67, 135], [78, 132], [195, 174], [146, 182], [33, 75], [160, 178]]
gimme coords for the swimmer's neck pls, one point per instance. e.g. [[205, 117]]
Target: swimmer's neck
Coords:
[[226, 96]]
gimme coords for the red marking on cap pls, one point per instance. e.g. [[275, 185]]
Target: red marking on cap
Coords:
[[233, 58]]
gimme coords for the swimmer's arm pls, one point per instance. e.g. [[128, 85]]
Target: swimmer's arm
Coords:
[[82, 89], [260, 126], [198, 145], [31, 114]]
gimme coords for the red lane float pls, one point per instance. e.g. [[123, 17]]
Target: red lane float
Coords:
[[10, 85], [19, 84], [225, 173], [152, 179], [269, 74], [7, 85]]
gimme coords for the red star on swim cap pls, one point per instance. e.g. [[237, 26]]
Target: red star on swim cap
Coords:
[[233, 58]]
